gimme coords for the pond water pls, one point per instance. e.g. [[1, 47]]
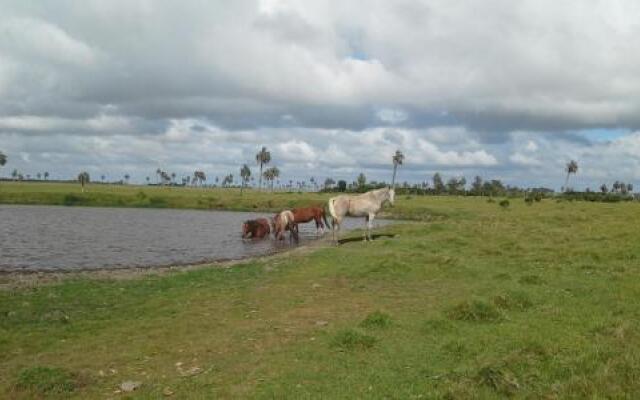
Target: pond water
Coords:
[[37, 238]]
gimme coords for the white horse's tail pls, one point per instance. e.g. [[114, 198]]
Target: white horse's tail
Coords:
[[332, 209]]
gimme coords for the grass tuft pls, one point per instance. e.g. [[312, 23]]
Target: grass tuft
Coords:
[[531, 280], [499, 379], [513, 300], [475, 311], [350, 340], [376, 319], [46, 380]]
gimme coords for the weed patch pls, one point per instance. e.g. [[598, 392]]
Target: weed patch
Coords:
[[513, 300]]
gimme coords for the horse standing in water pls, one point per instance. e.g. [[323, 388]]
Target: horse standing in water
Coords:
[[364, 205], [304, 215], [285, 221], [256, 228]]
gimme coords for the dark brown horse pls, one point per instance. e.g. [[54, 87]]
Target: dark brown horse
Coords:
[[303, 215], [256, 228]]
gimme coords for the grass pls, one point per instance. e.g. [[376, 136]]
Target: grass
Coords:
[[537, 302]]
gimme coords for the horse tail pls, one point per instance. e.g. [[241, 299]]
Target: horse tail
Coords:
[[324, 217], [332, 210]]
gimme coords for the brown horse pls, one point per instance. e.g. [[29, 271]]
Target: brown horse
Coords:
[[282, 222], [256, 228], [304, 215]]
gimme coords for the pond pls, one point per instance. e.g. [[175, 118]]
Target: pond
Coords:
[[52, 238]]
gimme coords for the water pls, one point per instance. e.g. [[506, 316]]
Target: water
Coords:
[[37, 238]]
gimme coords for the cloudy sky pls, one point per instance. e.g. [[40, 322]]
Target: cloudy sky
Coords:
[[501, 89]]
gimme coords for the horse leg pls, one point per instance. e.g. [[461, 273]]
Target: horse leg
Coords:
[[366, 229], [370, 225]]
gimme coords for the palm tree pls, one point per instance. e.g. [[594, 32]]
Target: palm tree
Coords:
[[14, 174], [148, 179], [158, 174], [245, 174], [84, 179], [571, 168], [271, 174], [263, 158], [173, 177], [126, 178], [39, 175], [102, 178], [46, 175], [398, 159]]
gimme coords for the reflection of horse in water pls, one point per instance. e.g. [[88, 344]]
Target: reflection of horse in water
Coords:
[[256, 228], [304, 215], [365, 205], [285, 221]]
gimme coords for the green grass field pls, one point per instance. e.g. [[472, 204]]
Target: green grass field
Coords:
[[468, 301]]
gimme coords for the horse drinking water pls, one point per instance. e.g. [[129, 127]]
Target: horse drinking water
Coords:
[[365, 205], [256, 228]]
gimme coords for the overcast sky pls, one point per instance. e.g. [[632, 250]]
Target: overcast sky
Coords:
[[502, 89]]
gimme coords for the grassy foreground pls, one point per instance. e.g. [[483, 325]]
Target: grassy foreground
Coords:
[[536, 301]]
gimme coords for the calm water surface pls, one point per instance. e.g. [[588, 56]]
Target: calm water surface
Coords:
[[35, 238]]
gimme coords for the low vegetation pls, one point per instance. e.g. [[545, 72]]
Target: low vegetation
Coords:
[[466, 301]]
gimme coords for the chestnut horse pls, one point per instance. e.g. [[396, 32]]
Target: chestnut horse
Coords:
[[256, 228], [304, 215], [284, 221]]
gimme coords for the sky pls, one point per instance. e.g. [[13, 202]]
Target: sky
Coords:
[[501, 89]]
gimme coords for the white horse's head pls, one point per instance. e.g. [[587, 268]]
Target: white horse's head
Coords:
[[392, 195]]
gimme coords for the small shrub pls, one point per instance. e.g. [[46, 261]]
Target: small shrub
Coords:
[[46, 380], [376, 319], [475, 311], [528, 200], [504, 204], [350, 339]]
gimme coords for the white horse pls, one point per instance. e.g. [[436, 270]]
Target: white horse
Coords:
[[364, 205]]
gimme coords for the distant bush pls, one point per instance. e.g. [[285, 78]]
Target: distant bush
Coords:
[[504, 204]]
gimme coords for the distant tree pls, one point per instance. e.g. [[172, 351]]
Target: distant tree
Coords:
[[38, 175], [83, 178], [102, 178], [126, 178], [476, 186], [270, 174], [263, 158], [199, 177], [629, 188], [342, 185], [3, 159], [245, 174], [604, 189], [362, 181], [14, 174], [329, 182], [438, 183], [46, 175], [570, 168], [173, 177], [158, 174], [148, 179], [398, 159]]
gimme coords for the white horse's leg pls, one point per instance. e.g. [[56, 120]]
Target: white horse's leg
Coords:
[[366, 228], [370, 225]]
